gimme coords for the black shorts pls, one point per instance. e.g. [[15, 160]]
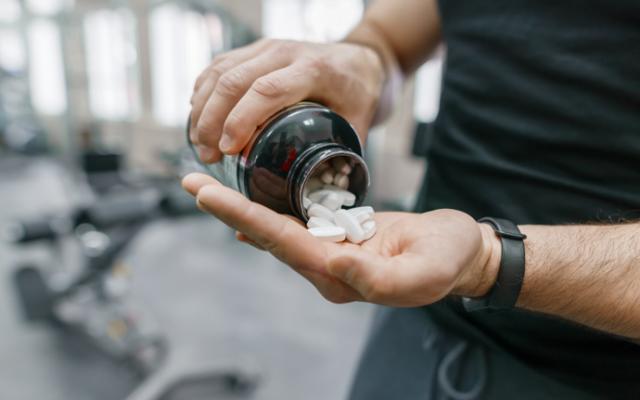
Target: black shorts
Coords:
[[408, 356]]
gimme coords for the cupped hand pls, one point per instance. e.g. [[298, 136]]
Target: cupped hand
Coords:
[[242, 88], [413, 260]]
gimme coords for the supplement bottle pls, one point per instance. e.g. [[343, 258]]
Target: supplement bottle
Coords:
[[286, 151]]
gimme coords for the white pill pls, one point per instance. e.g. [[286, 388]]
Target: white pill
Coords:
[[315, 222], [369, 228], [355, 233], [306, 203], [341, 165], [317, 195], [341, 181], [348, 198], [332, 201], [327, 176], [320, 211], [329, 233], [362, 214]]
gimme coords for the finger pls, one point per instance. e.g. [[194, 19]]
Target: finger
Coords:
[[266, 96], [194, 181], [229, 88], [206, 82], [244, 239], [284, 238]]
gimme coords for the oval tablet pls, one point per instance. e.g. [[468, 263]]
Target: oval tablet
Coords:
[[332, 201], [362, 214], [328, 233], [355, 233], [327, 176], [315, 222], [348, 198], [369, 229], [341, 181], [320, 211]]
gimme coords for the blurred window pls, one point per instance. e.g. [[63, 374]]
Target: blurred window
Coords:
[[315, 20], [427, 90], [46, 72], [111, 55], [12, 51], [9, 11], [182, 43], [48, 7]]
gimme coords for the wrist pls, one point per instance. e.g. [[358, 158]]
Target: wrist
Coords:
[[480, 275], [386, 64]]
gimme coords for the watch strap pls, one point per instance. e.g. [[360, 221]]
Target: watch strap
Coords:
[[504, 293]]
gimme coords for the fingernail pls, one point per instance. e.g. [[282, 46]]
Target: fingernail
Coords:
[[206, 153], [225, 143]]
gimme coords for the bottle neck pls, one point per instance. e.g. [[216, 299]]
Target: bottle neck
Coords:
[[312, 160]]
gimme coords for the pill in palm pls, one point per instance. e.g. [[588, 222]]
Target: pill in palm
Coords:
[[320, 211], [369, 228], [362, 214], [329, 233], [316, 222], [354, 232]]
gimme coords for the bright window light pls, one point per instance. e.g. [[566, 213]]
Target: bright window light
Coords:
[[46, 73], [9, 11], [315, 20], [48, 7], [427, 89], [111, 64], [12, 52], [182, 42]]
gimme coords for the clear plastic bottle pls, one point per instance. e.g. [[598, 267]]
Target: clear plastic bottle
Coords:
[[286, 151]]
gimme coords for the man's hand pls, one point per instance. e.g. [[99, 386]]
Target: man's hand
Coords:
[[413, 260], [241, 89]]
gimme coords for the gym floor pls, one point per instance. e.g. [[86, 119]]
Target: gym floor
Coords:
[[218, 301]]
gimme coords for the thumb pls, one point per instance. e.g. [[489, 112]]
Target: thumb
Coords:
[[357, 268]]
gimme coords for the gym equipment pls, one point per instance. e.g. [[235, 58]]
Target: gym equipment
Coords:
[[93, 302]]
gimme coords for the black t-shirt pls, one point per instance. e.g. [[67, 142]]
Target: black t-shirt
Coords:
[[540, 123]]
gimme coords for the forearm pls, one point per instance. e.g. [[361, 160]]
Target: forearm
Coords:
[[588, 274], [403, 32]]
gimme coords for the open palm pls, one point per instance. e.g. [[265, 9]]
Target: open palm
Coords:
[[413, 260]]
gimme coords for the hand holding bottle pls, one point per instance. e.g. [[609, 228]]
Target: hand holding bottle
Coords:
[[242, 88]]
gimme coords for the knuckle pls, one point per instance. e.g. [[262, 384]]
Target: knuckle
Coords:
[[318, 63], [269, 86], [235, 124], [204, 133], [286, 47], [218, 69], [230, 83]]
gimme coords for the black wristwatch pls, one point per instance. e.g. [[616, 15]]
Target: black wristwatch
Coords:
[[504, 293]]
